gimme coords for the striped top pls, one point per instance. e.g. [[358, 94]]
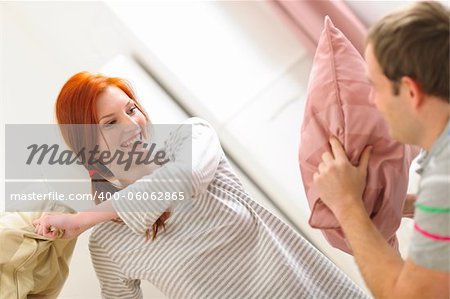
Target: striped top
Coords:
[[221, 244], [430, 244]]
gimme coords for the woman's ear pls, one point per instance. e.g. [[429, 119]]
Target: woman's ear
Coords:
[[413, 91]]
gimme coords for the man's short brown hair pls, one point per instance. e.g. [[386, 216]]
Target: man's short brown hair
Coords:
[[414, 42]]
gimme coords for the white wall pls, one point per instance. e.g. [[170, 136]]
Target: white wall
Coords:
[[43, 43]]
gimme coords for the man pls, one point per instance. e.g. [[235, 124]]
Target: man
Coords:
[[407, 57]]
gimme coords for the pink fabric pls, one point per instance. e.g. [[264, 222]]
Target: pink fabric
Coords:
[[339, 104], [305, 17]]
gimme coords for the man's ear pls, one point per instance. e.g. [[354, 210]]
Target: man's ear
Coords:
[[412, 89]]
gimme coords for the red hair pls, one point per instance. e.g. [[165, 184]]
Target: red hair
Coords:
[[76, 105]]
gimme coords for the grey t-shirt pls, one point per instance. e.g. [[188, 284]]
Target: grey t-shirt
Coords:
[[430, 244]]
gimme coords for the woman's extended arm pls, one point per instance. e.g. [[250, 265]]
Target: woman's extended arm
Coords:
[[197, 154], [73, 224]]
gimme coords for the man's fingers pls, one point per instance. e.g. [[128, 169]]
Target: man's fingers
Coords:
[[327, 157], [315, 176], [365, 156], [338, 150], [322, 167]]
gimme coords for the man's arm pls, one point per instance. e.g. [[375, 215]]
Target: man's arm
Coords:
[[384, 271], [341, 186]]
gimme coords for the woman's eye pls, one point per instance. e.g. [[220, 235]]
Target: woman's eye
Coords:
[[109, 125], [132, 110]]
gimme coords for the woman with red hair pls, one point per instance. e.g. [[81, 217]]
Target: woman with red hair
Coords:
[[216, 242]]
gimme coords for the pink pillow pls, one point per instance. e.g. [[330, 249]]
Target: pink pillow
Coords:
[[338, 104]]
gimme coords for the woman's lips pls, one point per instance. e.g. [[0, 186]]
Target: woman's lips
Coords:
[[129, 142]]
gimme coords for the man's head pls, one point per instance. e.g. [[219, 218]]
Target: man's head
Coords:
[[407, 57]]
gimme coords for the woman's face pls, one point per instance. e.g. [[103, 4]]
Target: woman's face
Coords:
[[123, 127]]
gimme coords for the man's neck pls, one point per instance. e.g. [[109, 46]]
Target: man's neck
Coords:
[[435, 123]]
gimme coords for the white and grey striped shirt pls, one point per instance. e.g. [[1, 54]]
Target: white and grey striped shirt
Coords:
[[221, 244]]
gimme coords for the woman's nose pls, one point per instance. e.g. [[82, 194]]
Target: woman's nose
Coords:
[[128, 125], [129, 121]]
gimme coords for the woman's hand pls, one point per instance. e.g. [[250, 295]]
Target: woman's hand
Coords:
[[49, 224], [73, 224]]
